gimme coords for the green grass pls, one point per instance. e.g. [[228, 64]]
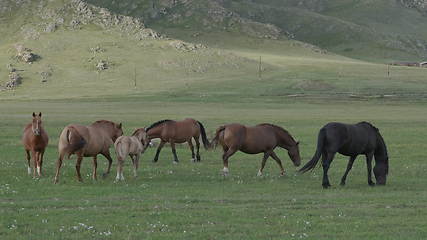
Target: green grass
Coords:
[[194, 201]]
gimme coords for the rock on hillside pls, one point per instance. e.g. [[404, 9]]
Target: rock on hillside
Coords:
[[421, 5]]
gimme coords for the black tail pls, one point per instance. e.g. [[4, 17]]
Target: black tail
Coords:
[[205, 140], [320, 144]]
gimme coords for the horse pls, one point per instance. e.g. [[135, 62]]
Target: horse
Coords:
[[178, 132], [133, 146], [262, 138], [35, 139], [87, 141], [351, 140]]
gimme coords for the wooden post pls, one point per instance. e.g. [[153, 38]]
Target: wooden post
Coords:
[[259, 68], [134, 75]]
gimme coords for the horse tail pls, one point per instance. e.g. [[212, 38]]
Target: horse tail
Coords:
[[215, 141], [75, 141], [320, 144], [205, 140]]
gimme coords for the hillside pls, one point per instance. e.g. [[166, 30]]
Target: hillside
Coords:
[[83, 50], [371, 30]]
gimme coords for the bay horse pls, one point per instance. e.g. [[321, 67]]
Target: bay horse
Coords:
[[262, 138], [133, 146], [178, 132], [87, 141], [351, 140], [35, 140]]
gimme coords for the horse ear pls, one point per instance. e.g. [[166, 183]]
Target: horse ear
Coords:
[[297, 143], [120, 125], [40, 114], [34, 114]]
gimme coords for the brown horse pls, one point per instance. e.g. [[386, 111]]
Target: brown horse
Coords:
[[87, 141], [133, 146], [178, 132], [35, 139], [262, 138]]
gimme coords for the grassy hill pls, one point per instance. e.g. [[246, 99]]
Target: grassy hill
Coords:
[[372, 30]]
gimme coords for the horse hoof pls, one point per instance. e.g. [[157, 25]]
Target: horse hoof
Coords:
[[371, 184], [104, 175], [259, 174], [29, 171], [193, 160], [282, 174], [342, 183], [175, 162]]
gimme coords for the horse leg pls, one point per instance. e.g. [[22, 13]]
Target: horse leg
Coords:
[[264, 160], [349, 166], [369, 166], [193, 156], [58, 166], [29, 162], [159, 148], [136, 164], [34, 156], [41, 162], [175, 157], [119, 168], [38, 157], [197, 148], [110, 162], [279, 162], [95, 165], [78, 164], [225, 157], [326, 163]]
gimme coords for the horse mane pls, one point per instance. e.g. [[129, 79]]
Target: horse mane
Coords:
[[277, 127], [99, 122], [157, 124], [370, 125], [134, 132]]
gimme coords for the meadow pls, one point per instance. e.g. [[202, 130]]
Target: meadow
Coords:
[[193, 200], [297, 86]]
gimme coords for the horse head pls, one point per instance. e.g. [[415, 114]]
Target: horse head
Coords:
[[142, 136], [36, 124], [293, 153], [117, 131], [381, 170]]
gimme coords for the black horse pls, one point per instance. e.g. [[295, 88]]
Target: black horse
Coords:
[[351, 140]]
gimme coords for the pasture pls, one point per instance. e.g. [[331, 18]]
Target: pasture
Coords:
[[193, 200]]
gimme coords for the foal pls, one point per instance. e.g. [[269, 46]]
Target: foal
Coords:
[[35, 139], [133, 146]]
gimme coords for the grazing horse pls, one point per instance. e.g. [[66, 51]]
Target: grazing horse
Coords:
[[262, 138], [35, 139], [87, 141], [133, 146], [351, 140], [178, 132]]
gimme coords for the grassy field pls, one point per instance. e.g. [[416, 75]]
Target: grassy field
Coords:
[[301, 88], [194, 201]]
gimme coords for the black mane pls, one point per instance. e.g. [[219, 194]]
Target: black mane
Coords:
[[157, 123], [369, 124]]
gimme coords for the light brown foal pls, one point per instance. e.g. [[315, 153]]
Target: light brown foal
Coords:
[[262, 138], [35, 140], [133, 146]]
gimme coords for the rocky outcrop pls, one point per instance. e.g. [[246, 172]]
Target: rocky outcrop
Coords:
[[421, 5], [25, 54]]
